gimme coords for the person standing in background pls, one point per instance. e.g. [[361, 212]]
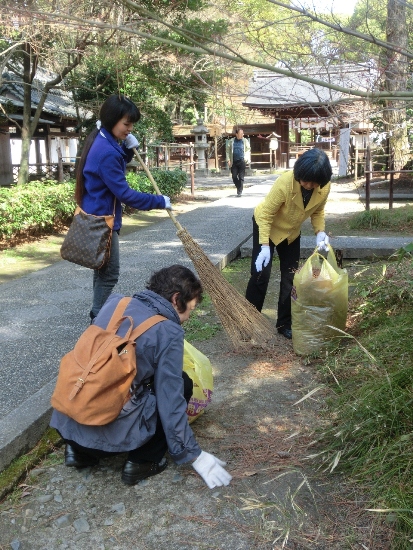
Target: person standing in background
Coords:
[[238, 154], [101, 185]]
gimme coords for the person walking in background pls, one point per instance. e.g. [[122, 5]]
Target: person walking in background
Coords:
[[295, 196], [154, 420], [238, 155], [101, 186]]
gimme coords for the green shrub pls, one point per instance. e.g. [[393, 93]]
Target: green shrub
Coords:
[[35, 207], [170, 182]]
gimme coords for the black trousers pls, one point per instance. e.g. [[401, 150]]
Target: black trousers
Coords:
[[154, 449], [289, 255], [238, 174]]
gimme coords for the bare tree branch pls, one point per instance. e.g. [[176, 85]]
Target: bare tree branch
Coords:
[[217, 52], [346, 30]]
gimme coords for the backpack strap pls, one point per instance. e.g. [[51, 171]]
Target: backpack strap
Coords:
[[145, 325], [118, 313], [118, 317]]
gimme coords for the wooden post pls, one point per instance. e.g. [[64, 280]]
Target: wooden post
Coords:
[[191, 168], [38, 157], [356, 161], [391, 166], [387, 153], [48, 144], [216, 154], [59, 165], [368, 175]]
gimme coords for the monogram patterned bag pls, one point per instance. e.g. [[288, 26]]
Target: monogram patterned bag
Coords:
[[88, 239]]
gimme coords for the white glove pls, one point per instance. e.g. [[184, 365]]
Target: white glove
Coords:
[[210, 468], [167, 202], [322, 241], [263, 258], [131, 142]]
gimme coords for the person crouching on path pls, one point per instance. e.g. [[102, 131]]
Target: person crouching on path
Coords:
[[154, 420], [295, 196], [238, 154], [101, 186]]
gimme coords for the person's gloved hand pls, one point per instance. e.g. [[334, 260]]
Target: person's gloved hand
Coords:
[[322, 241], [263, 258], [210, 468], [167, 202], [131, 142]]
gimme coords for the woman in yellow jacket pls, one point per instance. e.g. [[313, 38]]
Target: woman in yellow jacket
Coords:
[[294, 197]]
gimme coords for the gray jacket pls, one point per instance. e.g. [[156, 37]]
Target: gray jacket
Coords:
[[159, 354]]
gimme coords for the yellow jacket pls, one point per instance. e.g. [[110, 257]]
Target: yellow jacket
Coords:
[[280, 215]]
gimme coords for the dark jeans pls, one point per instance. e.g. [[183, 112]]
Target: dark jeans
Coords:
[[154, 449], [105, 279], [238, 174], [289, 255]]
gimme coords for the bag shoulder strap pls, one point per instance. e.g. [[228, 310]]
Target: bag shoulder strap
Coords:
[[147, 324]]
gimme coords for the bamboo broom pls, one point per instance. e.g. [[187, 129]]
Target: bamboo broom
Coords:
[[245, 326]]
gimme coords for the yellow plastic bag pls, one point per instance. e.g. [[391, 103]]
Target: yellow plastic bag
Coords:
[[198, 367], [319, 300]]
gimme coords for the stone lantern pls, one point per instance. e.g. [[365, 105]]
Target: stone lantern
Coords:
[[200, 132]]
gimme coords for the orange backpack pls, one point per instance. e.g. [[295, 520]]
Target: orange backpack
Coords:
[[95, 377]]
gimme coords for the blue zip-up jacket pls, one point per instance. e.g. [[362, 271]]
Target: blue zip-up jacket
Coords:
[[104, 174]]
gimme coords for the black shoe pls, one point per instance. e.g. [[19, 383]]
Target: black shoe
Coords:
[[77, 459], [133, 473], [286, 332], [239, 193]]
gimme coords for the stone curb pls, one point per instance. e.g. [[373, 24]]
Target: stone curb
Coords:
[[351, 247]]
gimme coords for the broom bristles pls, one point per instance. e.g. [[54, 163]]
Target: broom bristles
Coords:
[[243, 323]]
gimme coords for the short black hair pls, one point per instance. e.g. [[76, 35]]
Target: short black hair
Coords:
[[115, 107], [176, 279], [314, 165]]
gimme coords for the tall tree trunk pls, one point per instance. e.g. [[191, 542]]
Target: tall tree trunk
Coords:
[[29, 69], [396, 80]]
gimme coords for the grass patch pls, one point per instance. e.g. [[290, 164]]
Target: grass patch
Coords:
[[19, 468], [38, 253], [237, 274], [370, 433], [203, 323], [396, 219]]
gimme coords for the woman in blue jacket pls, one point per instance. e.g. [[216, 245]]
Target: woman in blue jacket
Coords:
[[154, 420], [101, 186]]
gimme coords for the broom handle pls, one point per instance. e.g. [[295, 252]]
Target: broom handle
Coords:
[[155, 185]]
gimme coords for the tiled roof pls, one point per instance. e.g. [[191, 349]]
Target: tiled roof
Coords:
[[59, 102], [269, 89]]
